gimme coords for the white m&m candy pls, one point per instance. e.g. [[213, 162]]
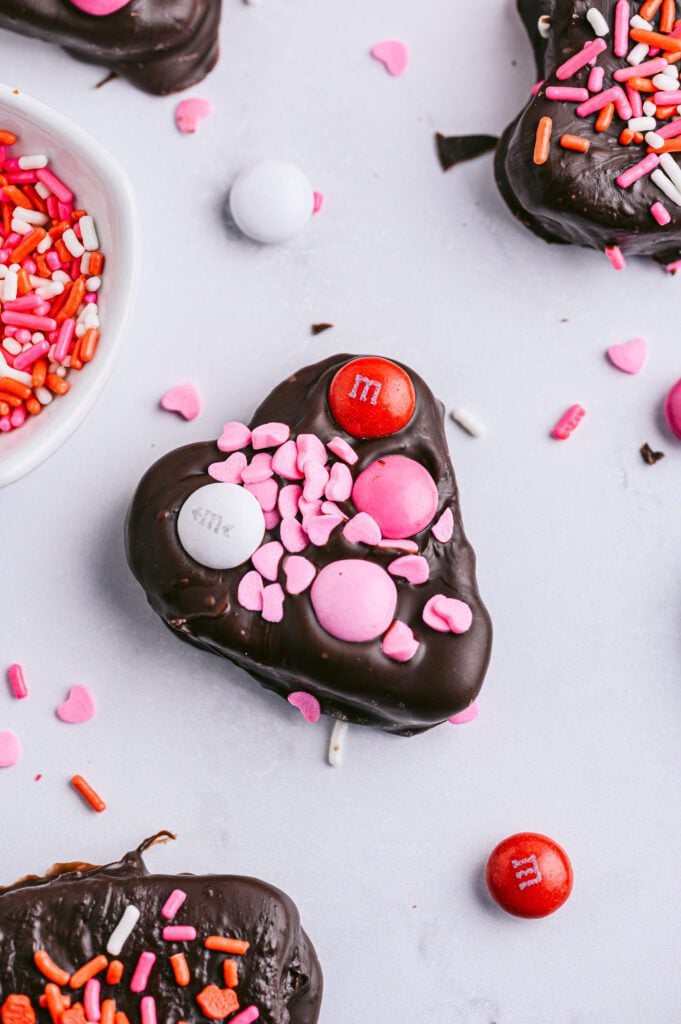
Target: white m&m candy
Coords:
[[271, 201], [220, 525]]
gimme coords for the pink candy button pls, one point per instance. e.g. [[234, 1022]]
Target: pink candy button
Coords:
[[100, 8], [354, 600], [398, 493], [672, 410]]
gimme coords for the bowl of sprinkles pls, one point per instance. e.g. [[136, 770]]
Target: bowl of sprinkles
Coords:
[[68, 269]]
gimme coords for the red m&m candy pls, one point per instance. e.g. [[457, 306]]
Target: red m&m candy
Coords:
[[529, 875], [371, 397]]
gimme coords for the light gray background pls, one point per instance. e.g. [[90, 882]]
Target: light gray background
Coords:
[[578, 544]]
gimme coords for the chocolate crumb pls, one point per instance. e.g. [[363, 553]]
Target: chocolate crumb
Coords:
[[456, 149], [111, 77], [320, 328], [649, 456]]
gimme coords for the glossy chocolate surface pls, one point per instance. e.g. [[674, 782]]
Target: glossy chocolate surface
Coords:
[[160, 46], [72, 911], [573, 197], [353, 681]]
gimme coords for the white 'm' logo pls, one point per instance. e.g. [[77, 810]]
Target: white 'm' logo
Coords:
[[367, 386], [533, 871]]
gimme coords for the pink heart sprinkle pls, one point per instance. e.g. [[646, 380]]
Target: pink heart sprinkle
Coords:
[[464, 717], [410, 546], [337, 446], [339, 487], [270, 435], [329, 508], [316, 479], [320, 528], [10, 749], [189, 114], [413, 568], [362, 529], [285, 462], [289, 497], [299, 573], [267, 558], [78, 707], [306, 704], [184, 399], [293, 537], [630, 357], [318, 202], [273, 603], [310, 449], [249, 594], [457, 614], [229, 471], [272, 519], [399, 642], [266, 492], [393, 54], [444, 527], [234, 436], [432, 619], [258, 469], [100, 8], [307, 509]]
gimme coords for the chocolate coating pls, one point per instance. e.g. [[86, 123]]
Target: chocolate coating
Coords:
[[573, 197], [72, 911], [352, 681], [160, 47]]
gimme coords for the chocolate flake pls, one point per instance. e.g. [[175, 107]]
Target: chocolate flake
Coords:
[[456, 149], [649, 456], [320, 328]]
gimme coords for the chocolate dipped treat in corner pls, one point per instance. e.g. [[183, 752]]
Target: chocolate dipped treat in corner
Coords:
[[326, 553], [593, 158], [161, 47], [116, 943]]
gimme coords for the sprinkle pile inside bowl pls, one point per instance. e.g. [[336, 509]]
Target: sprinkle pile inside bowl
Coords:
[[50, 274]]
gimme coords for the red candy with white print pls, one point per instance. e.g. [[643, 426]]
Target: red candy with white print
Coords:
[[361, 560], [371, 397], [529, 875]]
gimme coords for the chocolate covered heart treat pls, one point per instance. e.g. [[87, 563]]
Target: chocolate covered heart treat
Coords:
[[593, 157], [321, 549], [160, 47], [115, 944]]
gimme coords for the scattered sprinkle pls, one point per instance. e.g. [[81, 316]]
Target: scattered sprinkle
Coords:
[[336, 753], [15, 675], [190, 112], [568, 422], [316, 329], [10, 749], [393, 54], [173, 904], [88, 793], [183, 399], [123, 930], [78, 707], [630, 357], [306, 704], [468, 422]]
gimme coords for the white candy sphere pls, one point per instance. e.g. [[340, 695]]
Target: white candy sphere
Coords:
[[220, 525], [271, 201]]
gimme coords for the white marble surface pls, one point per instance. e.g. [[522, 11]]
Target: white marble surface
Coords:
[[578, 544]]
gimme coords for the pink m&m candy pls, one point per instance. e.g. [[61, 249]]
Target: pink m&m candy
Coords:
[[399, 494], [100, 8], [672, 410], [354, 600]]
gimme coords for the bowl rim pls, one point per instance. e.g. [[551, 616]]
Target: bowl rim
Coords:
[[114, 178]]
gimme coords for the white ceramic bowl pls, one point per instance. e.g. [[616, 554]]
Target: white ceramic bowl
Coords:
[[103, 189]]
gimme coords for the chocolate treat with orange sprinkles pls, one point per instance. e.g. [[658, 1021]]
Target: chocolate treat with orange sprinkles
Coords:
[[592, 159], [115, 945], [161, 46]]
